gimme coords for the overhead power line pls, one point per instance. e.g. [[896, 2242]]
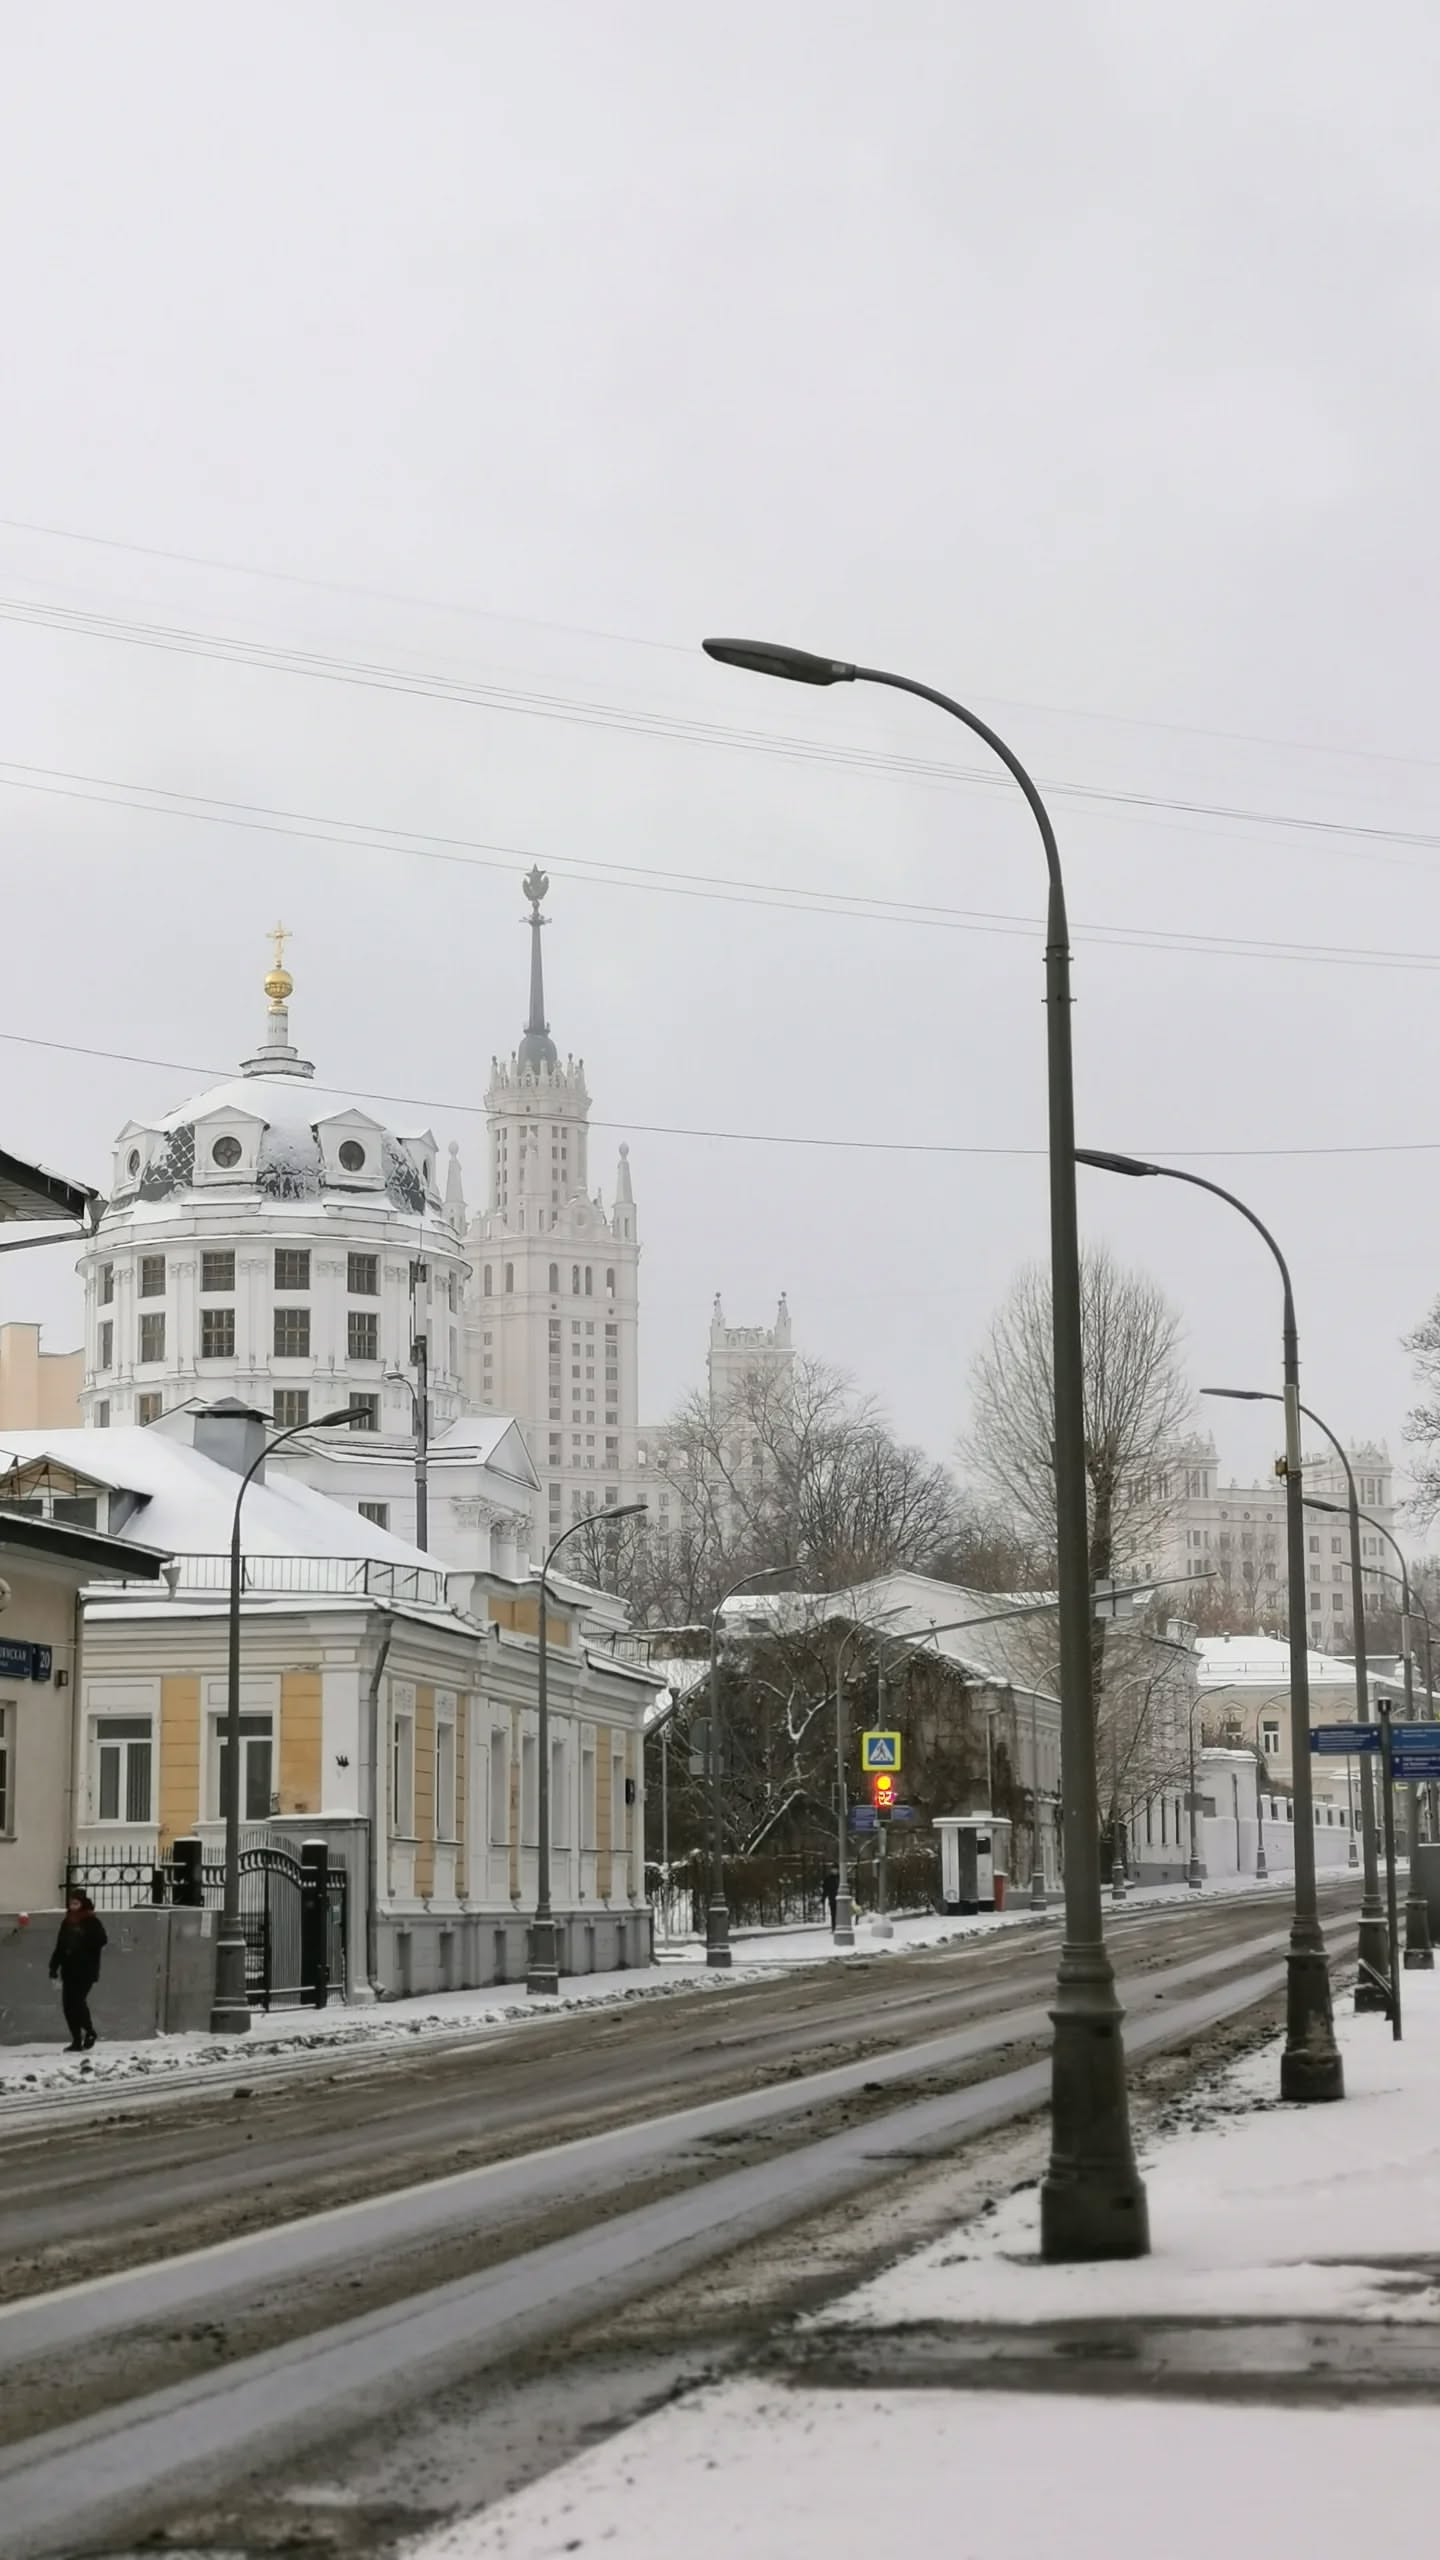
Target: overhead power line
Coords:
[[475, 853], [231, 649], [683, 649], [729, 1137]]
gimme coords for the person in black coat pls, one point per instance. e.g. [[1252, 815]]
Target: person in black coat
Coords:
[[830, 1887], [76, 1965]]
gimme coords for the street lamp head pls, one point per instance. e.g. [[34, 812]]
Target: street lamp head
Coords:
[[1317, 1502], [1104, 1163], [1245, 1395], [348, 1414], [772, 658], [624, 1511]]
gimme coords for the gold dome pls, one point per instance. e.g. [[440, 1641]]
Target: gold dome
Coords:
[[279, 985]]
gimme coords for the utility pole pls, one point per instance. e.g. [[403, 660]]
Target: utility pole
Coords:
[[420, 1354]]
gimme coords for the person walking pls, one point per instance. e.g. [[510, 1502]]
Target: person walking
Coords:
[[830, 1887], [76, 1965]]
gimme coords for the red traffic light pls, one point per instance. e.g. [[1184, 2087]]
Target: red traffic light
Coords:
[[883, 1785]]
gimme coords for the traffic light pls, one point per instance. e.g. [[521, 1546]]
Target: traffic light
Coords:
[[883, 1786]]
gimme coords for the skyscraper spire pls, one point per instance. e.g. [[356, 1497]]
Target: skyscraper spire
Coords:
[[537, 1049]]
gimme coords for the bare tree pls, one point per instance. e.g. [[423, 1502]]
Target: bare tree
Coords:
[[1136, 1407], [794, 1465], [1422, 1423]]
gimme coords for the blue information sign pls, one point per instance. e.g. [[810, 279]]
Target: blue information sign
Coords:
[[1415, 1752], [1332, 1738], [24, 1661], [903, 1813], [862, 1817]]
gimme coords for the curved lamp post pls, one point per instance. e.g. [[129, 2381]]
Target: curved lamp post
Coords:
[[1310, 2067], [230, 2008], [1373, 1942], [1419, 1953], [542, 1954], [717, 1915], [1092, 2200]]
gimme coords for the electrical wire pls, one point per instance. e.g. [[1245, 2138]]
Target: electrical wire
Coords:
[[308, 827], [233, 650], [730, 1137]]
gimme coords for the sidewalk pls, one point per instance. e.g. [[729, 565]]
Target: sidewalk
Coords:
[[1263, 2217], [30, 2072]]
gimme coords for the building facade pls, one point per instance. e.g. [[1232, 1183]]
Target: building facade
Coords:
[[552, 1302], [39, 1390], [387, 1707], [260, 1246], [1235, 1534]]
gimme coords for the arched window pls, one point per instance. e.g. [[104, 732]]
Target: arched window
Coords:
[[509, 1276], [489, 1288], [554, 1279], [575, 1279], [589, 1281], [610, 1282]]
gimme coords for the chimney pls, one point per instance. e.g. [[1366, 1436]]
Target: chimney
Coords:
[[231, 1433]]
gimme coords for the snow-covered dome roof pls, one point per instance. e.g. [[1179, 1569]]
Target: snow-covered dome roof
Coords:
[[271, 1129]]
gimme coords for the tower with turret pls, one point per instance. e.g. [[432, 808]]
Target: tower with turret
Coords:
[[551, 1305]]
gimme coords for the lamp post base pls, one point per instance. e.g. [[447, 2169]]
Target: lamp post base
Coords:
[[880, 1927], [230, 2007], [1092, 2199], [1311, 2070], [1419, 1953], [717, 1937], [542, 1960], [843, 1932], [1038, 1897], [1195, 1876], [1373, 1951]]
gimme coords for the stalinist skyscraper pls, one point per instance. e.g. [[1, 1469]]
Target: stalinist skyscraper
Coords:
[[551, 1308]]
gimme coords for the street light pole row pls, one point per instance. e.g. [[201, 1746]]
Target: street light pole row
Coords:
[[1092, 2200]]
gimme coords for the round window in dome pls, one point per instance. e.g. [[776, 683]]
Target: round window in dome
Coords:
[[352, 1155], [132, 1161], [226, 1151]]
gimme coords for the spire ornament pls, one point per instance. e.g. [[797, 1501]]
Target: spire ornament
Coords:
[[279, 985], [537, 1049]]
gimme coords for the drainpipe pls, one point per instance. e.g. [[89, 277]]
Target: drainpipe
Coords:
[[372, 1825], [77, 1611]]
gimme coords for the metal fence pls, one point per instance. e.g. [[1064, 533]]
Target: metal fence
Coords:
[[293, 1922], [786, 1889]]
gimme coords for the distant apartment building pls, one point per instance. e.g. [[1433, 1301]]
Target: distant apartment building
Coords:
[[715, 1474], [1234, 1534], [39, 1390]]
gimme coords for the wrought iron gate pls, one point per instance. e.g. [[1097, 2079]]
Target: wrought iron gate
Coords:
[[293, 1912]]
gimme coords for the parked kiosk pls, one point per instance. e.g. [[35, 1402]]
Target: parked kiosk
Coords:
[[974, 1861]]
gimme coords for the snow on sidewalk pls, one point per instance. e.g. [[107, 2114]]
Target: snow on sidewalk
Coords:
[[1255, 2207], [781, 2474], [33, 2072]]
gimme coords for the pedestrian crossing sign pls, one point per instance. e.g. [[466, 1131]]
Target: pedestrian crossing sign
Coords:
[[879, 1751]]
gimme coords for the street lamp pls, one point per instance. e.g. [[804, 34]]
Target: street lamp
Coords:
[[717, 1915], [1310, 2067], [230, 2008], [1373, 1942], [542, 1954], [843, 1933], [1092, 2201], [1419, 1954]]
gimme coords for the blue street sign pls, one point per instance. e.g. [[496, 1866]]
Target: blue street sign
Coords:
[[862, 1817], [903, 1813], [1329, 1739], [19, 1661], [1415, 1752]]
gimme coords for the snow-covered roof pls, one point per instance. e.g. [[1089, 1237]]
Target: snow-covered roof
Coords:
[[984, 1646], [187, 1501], [1237, 1662]]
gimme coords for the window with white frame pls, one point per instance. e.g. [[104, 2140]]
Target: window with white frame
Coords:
[[444, 1766], [7, 1768], [499, 1787], [402, 1762], [559, 1793], [257, 1767], [122, 1769]]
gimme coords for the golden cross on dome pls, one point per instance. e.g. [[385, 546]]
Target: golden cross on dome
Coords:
[[280, 934]]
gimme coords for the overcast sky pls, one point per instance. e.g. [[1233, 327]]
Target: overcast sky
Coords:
[[1082, 361]]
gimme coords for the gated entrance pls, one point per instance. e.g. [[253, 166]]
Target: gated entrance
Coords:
[[292, 1910]]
